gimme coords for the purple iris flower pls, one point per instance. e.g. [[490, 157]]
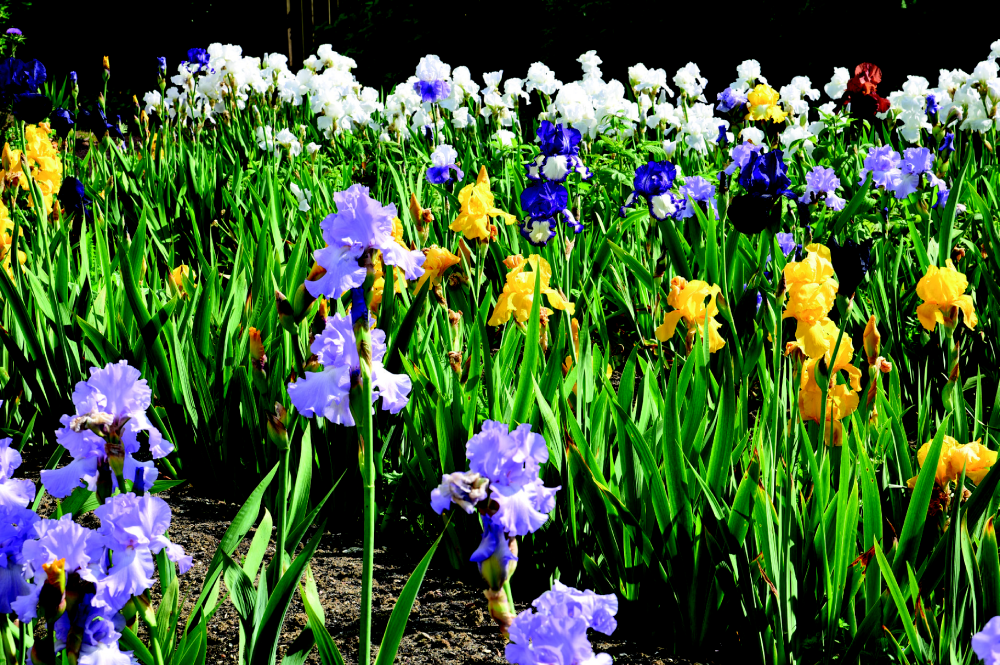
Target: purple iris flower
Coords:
[[741, 156], [558, 139], [74, 199], [161, 66], [494, 547], [110, 412], [20, 78], [883, 163], [98, 631], [132, 529], [557, 630], [932, 104], [31, 108], [432, 91], [559, 154], [61, 121], [544, 199], [14, 31], [443, 162], [730, 99], [327, 392], [199, 56], [463, 488], [361, 224], [986, 643], [947, 143], [822, 183], [652, 182], [699, 190], [16, 525], [766, 176], [72, 78], [786, 243], [722, 138]]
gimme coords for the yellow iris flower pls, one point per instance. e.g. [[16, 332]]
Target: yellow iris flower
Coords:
[[519, 290], [763, 104], [974, 457], [477, 209], [694, 302], [43, 159], [943, 293], [811, 292], [7, 239], [437, 260]]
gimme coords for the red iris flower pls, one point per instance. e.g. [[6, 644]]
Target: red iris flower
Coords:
[[862, 92]]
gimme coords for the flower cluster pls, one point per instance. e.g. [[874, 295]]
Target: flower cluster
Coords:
[[326, 391], [557, 630], [903, 176], [43, 159], [693, 301], [546, 197], [519, 291]]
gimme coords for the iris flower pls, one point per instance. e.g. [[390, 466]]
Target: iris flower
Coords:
[[943, 293], [443, 162], [812, 292], [765, 181], [437, 261], [763, 104], [478, 209], [694, 302], [519, 290], [851, 261], [975, 458]]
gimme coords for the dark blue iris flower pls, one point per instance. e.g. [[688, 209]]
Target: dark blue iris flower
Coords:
[[947, 143], [198, 56], [851, 261], [544, 200], [62, 121], [31, 108], [97, 123], [932, 104], [18, 78], [73, 198], [161, 66], [432, 91], [723, 139], [72, 78], [765, 179], [651, 179], [558, 139]]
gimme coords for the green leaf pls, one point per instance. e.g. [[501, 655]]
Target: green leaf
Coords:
[[852, 206], [521, 408], [329, 654], [950, 210], [132, 643], [401, 610], [916, 514], [269, 632], [897, 596]]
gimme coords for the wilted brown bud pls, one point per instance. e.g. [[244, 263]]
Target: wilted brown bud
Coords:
[[286, 315], [258, 360], [958, 254], [276, 431], [319, 321], [455, 361]]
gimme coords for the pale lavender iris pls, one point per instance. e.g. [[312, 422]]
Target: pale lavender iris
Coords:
[[741, 156], [495, 547], [463, 488], [556, 632], [54, 540], [361, 224], [699, 190], [133, 530], [786, 243], [883, 164], [986, 643], [916, 162], [443, 162], [730, 99], [111, 404], [821, 185], [327, 392]]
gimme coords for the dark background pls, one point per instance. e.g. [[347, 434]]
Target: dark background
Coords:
[[387, 37]]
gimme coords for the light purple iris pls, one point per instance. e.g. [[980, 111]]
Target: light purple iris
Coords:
[[821, 184], [494, 547], [741, 156], [557, 631], [443, 162], [132, 529], [327, 392], [730, 99], [111, 404], [98, 631], [54, 540], [463, 488], [360, 224], [942, 187], [432, 91], [986, 643], [786, 243], [883, 164], [699, 190]]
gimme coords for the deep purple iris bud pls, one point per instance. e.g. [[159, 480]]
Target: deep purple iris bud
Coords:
[[432, 91], [14, 31], [31, 108], [722, 139], [494, 556], [851, 262], [443, 161], [947, 143], [730, 99], [359, 310], [61, 121], [932, 104], [198, 56], [161, 66], [73, 78]]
